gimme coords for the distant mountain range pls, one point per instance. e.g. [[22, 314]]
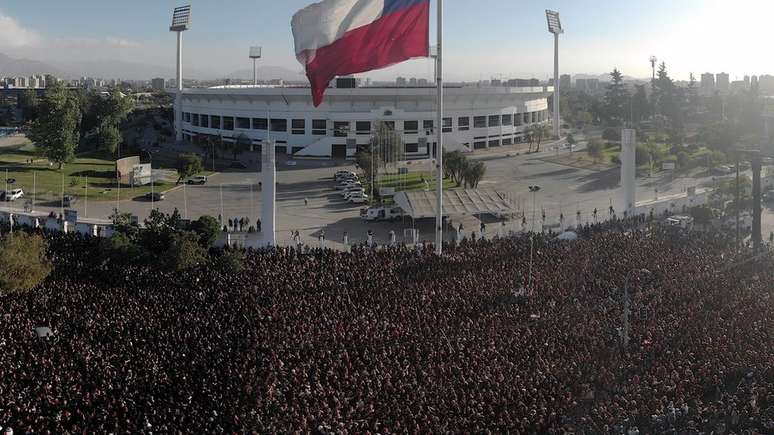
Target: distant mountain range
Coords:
[[107, 69], [10, 67]]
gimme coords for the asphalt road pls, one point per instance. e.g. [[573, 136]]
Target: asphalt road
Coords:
[[564, 190]]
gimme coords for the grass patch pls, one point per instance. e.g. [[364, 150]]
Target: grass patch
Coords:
[[46, 180]]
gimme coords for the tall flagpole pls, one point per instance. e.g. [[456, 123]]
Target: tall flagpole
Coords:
[[439, 134]]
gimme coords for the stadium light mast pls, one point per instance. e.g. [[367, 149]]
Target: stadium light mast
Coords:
[[555, 27], [181, 21], [653, 61], [255, 54]]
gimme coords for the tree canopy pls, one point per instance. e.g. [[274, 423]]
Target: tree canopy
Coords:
[[56, 129], [23, 263]]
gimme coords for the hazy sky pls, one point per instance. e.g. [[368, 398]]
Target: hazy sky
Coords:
[[484, 38]]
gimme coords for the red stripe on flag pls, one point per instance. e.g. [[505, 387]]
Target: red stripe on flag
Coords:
[[391, 39]]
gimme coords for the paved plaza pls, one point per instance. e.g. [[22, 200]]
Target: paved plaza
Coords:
[[307, 202]]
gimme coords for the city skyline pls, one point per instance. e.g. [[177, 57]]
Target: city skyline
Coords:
[[598, 39]]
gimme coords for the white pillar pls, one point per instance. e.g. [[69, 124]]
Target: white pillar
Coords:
[[269, 194], [629, 168], [557, 130], [179, 93]]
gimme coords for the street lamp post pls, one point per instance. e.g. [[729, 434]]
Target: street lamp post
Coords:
[[181, 21], [627, 304], [555, 27]]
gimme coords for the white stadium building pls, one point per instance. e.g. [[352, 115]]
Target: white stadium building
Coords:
[[474, 117]]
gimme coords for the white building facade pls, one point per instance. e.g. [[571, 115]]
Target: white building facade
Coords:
[[474, 117]]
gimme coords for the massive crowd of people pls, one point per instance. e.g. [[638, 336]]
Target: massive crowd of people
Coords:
[[486, 339]]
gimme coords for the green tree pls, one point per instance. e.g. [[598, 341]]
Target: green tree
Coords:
[[640, 107], [240, 145], [368, 162], [28, 102], [109, 137], [616, 100], [454, 166], [56, 129], [473, 173], [188, 165], [23, 263], [185, 252], [208, 228], [230, 261], [668, 98]]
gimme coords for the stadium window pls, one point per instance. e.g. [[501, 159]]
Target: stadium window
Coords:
[[479, 145], [507, 119], [447, 125], [260, 123], [228, 123], [215, 121], [463, 124], [298, 126], [494, 143], [319, 127], [204, 121], [526, 117], [243, 123], [280, 125], [340, 128], [427, 125], [494, 120], [412, 148], [508, 141], [195, 121], [186, 117], [479, 122], [410, 127], [363, 127], [517, 119]]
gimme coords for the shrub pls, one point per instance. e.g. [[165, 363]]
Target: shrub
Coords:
[[207, 227], [615, 160], [23, 263], [230, 261], [186, 252]]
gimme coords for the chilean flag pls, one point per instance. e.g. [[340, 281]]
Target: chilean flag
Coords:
[[341, 37]]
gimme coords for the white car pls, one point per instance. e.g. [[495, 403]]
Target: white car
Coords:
[[348, 185], [358, 199], [346, 178], [342, 174], [13, 195], [197, 179], [354, 192]]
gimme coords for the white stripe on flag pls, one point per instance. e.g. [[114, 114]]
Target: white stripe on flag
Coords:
[[322, 23]]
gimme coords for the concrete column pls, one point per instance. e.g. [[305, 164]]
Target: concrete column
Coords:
[[629, 169], [269, 193]]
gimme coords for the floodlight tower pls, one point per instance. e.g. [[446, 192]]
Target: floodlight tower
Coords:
[[653, 61], [181, 21], [555, 27], [255, 54]]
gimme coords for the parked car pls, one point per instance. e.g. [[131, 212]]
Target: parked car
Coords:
[[197, 179], [354, 192], [348, 184], [381, 214], [345, 174], [14, 194], [69, 201], [155, 196], [358, 199]]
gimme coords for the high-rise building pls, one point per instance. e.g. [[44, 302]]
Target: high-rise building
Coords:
[[754, 82], [707, 83], [565, 81], [157, 84], [766, 84], [722, 83], [401, 81]]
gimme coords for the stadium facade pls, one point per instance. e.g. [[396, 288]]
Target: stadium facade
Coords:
[[475, 117]]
